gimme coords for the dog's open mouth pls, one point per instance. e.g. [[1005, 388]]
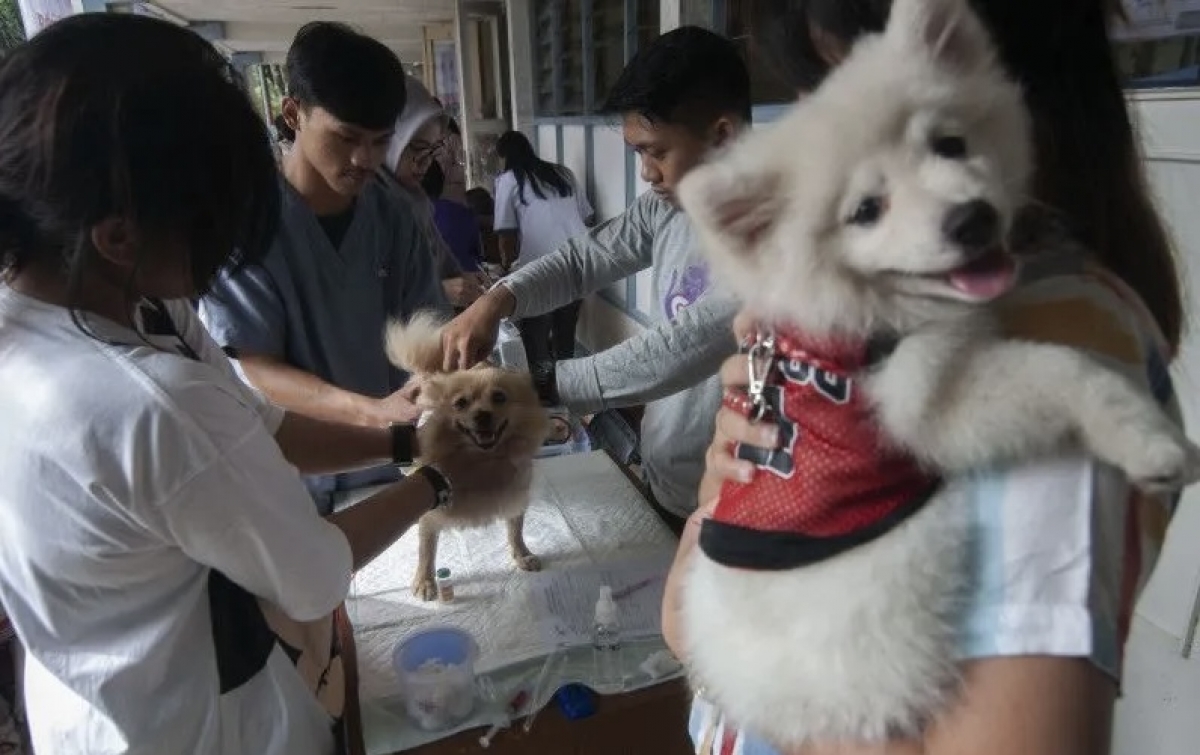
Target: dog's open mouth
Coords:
[[985, 277], [485, 439]]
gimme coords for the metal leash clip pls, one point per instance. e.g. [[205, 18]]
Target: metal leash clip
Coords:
[[759, 358]]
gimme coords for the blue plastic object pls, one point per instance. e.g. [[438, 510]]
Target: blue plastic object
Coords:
[[575, 701], [448, 645]]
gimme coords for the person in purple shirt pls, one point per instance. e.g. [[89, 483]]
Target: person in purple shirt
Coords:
[[456, 222]]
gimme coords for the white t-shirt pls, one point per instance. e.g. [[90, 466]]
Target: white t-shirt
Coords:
[[544, 224], [144, 510]]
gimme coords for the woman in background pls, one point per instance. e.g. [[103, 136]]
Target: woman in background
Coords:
[[418, 140], [538, 208], [480, 201], [453, 160], [455, 221]]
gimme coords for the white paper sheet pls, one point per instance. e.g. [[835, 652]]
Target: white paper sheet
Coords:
[[564, 601]]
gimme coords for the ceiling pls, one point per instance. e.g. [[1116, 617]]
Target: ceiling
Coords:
[[267, 26]]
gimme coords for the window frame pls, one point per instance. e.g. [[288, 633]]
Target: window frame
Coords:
[[591, 99]]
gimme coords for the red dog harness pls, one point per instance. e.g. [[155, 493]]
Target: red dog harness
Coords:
[[833, 483]]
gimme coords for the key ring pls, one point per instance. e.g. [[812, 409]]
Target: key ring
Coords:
[[759, 358]]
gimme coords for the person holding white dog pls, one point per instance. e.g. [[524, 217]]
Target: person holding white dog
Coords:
[[1063, 546]]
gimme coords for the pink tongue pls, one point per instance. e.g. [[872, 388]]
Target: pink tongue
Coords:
[[987, 277]]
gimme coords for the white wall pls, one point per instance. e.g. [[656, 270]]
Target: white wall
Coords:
[[520, 61], [1160, 711]]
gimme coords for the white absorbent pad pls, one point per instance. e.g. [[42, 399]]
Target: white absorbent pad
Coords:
[[586, 519]]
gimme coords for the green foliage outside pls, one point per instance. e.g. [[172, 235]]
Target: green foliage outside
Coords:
[[266, 89], [12, 31]]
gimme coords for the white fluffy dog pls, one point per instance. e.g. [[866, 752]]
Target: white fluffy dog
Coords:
[[880, 205]]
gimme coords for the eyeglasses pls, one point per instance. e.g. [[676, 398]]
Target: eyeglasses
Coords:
[[426, 151]]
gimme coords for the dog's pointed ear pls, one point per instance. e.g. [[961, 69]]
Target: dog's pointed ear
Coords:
[[946, 30], [433, 391], [733, 201]]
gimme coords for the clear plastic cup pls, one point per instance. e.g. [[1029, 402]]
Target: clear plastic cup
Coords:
[[436, 672]]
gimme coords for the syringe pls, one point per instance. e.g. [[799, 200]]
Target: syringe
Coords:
[[514, 707]]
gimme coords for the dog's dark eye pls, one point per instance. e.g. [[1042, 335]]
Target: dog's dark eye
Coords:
[[461, 403], [868, 212], [498, 397], [949, 147]]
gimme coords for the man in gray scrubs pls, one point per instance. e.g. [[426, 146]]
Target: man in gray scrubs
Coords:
[[679, 98], [306, 326]]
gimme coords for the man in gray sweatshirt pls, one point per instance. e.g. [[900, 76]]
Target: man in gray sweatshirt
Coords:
[[684, 95]]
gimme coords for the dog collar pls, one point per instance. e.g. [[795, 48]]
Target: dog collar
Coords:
[[843, 357]]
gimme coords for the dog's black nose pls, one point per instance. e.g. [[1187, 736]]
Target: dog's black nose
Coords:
[[973, 225], [483, 419]]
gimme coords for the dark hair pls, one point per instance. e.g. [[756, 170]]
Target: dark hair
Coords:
[[688, 76], [1088, 165], [480, 200], [434, 181], [354, 77], [517, 153], [105, 115], [452, 126]]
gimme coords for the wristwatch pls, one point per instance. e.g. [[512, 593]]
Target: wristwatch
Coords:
[[443, 494], [404, 443]]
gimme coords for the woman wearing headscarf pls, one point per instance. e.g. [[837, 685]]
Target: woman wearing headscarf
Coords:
[[416, 142]]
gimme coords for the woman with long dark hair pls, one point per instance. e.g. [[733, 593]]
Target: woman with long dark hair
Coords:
[[539, 207], [1060, 548]]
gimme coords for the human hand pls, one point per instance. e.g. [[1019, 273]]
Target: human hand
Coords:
[[672, 628], [733, 426], [469, 338], [462, 291], [400, 407]]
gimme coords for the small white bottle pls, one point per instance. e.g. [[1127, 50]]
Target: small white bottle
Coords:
[[609, 674]]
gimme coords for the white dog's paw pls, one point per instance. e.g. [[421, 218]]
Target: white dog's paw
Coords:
[[1163, 463], [424, 587], [528, 562]]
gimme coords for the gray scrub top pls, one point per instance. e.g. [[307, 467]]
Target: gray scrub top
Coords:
[[323, 310]]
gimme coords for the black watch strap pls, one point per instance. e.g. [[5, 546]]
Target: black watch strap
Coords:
[[442, 492], [545, 381], [404, 443]]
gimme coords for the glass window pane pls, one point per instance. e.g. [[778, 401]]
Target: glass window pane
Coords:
[[1166, 62], [608, 27], [649, 22], [765, 86], [559, 60]]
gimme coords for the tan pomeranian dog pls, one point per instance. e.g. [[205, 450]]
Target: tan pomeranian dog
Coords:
[[484, 413]]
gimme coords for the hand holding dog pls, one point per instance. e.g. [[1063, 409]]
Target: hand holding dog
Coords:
[[469, 338], [401, 406], [732, 427]]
